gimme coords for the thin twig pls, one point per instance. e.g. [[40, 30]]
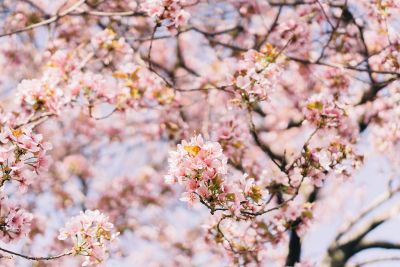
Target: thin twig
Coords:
[[35, 258]]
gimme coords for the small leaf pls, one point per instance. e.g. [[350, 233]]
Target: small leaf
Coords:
[[192, 150], [315, 105]]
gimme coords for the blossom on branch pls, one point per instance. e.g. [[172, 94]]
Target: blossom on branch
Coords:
[[90, 232], [15, 222]]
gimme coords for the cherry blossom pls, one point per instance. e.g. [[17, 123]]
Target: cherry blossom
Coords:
[[90, 232], [200, 165], [269, 119], [15, 221]]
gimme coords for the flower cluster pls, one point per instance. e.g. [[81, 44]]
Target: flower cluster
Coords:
[[322, 111], [140, 87], [337, 81], [293, 30], [22, 16], [245, 239], [45, 94], [168, 10], [258, 73], [233, 135], [385, 8], [110, 47], [78, 165], [39, 95], [316, 163], [296, 32], [64, 82], [116, 197], [14, 221], [389, 58], [90, 232], [92, 86], [21, 153], [385, 115], [200, 165]]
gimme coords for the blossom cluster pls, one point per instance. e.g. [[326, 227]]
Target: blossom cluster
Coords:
[[294, 30], [92, 86], [163, 69], [139, 87], [64, 83], [245, 239], [258, 73], [110, 47], [385, 115], [323, 111], [385, 8], [389, 58], [46, 94], [167, 10], [22, 153], [337, 81], [316, 163], [118, 197], [15, 222], [90, 232], [200, 165], [233, 135]]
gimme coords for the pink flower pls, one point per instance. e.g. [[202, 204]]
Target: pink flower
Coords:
[[169, 10], [258, 73], [153, 7], [322, 111], [16, 221], [90, 232], [190, 198], [182, 18], [292, 211], [243, 82], [77, 165], [197, 164], [337, 80]]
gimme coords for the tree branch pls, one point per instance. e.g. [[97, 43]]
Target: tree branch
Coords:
[[35, 258]]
